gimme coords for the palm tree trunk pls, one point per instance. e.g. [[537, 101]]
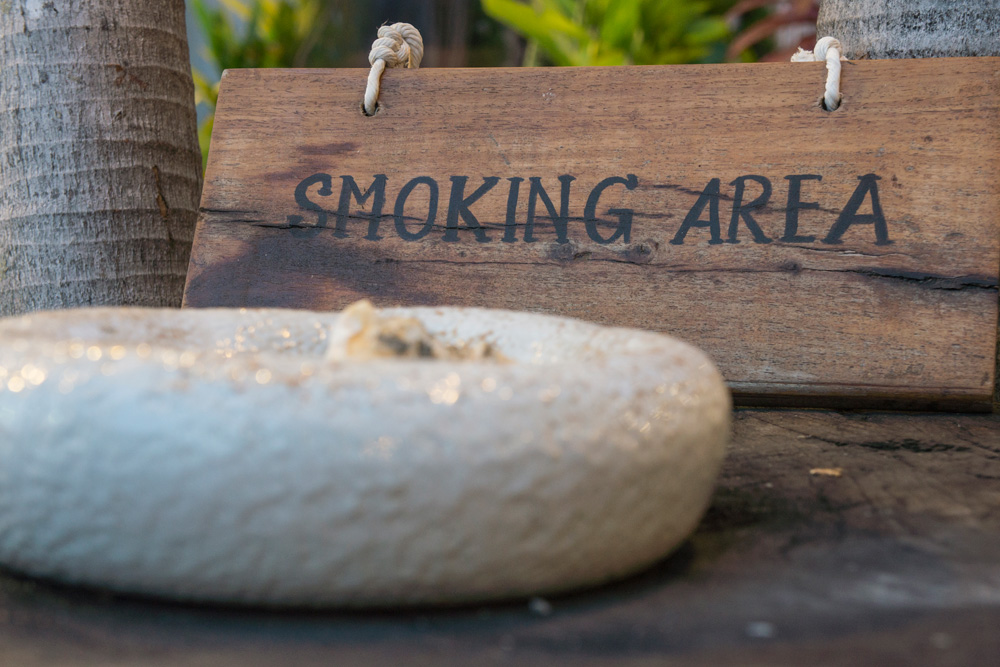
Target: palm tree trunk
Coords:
[[99, 163], [912, 28]]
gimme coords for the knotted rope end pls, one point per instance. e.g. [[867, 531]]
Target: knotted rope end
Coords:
[[398, 45]]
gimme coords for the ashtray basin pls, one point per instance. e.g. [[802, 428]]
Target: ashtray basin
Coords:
[[219, 455]]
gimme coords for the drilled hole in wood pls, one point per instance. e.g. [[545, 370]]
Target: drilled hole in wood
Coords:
[[365, 111], [822, 104]]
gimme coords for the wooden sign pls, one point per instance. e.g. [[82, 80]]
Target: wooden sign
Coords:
[[845, 258]]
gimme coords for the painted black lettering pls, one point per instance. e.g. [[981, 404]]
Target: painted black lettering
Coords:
[[741, 210], [795, 204], [432, 206], [459, 206], [558, 220], [376, 192], [709, 197], [510, 224], [850, 216], [325, 181], [624, 229]]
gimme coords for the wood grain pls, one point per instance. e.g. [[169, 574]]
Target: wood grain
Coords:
[[811, 316], [896, 562]]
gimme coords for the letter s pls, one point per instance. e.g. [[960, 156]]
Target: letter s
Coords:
[[302, 199]]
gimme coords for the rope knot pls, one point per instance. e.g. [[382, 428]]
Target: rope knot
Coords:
[[824, 45], [828, 49], [398, 45]]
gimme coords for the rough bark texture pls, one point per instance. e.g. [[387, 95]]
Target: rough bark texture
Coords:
[[99, 163], [912, 28]]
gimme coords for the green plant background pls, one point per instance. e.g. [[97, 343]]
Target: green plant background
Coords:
[[617, 32], [252, 33]]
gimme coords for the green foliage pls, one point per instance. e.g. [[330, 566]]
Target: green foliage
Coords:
[[616, 32], [252, 33]]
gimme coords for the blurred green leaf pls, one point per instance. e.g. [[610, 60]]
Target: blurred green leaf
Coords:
[[236, 7], [252, 33], [205, 91], [620, 22], [205, 138], [545, 24], [616, 32]]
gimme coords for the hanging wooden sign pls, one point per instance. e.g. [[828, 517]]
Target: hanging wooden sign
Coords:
[[822, 258]]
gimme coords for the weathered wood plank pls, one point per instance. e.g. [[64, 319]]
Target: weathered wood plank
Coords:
[[895, 562], [808, 298]]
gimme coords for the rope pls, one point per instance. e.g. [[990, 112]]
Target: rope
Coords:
[[398, 45], [827, 49]]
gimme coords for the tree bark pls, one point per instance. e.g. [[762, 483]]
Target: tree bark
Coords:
[[100, 172], [912, 28]]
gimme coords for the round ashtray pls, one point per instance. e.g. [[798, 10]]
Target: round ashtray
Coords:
[[221, 455]]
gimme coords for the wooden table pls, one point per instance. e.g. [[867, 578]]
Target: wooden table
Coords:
[[897, 561]]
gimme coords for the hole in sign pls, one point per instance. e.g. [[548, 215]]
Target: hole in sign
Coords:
[[824, 107]]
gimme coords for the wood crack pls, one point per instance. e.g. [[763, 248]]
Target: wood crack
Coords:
[[927, 280]]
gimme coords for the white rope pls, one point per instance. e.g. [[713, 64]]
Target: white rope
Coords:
[[398, 45], [828, 49]]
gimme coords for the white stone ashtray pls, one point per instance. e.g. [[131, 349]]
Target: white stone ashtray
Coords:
[[233, 456]]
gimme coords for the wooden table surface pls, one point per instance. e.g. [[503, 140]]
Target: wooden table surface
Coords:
[[897, 561]]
